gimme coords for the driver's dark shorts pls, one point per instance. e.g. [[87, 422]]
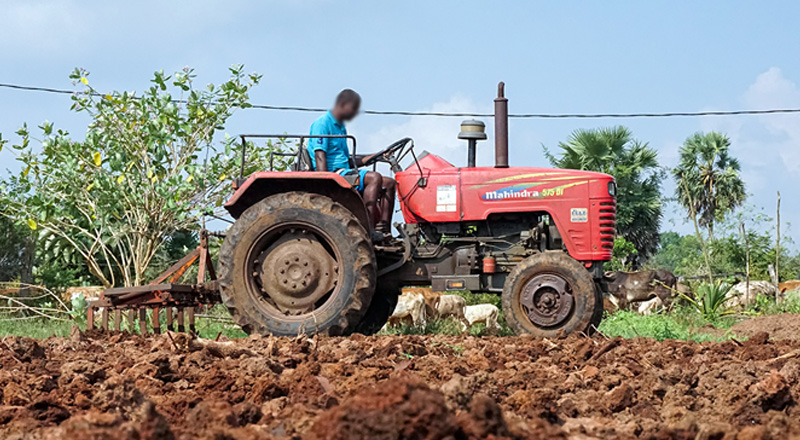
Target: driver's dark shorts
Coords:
[[359, 185]]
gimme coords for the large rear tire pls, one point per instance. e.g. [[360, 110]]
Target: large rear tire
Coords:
[[549, 295], [380, 309], [297, 263]]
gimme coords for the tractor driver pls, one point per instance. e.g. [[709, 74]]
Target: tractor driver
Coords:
[[332, 154]]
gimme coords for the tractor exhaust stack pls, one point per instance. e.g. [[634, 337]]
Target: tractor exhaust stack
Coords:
[[501, 128]]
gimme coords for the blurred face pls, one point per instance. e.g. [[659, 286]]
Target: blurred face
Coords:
[[348, 110]]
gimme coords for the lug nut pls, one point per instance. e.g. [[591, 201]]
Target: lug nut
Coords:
[[283, 270], [255, 274]]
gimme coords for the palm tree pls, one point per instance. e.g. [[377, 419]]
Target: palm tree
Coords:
[[635, 167], [708, 178]]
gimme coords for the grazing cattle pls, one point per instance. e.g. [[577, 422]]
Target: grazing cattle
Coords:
[[738, 294], [451, 305], [646, 290], [431, 298], [486, 313], [788, 286], [410, 307]]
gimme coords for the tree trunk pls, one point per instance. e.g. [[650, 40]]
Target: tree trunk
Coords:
[[777, 279], [28, 260]]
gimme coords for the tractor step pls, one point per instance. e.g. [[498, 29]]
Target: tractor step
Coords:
[[178, 301]]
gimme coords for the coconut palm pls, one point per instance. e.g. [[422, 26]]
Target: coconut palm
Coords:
[[708, 178], [635, 167]]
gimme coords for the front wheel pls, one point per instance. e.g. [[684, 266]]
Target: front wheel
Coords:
[[550, 294], [297, 263]]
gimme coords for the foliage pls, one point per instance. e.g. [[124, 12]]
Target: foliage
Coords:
[[709, 298], [635, 167], [681, 324], [79, 308], [622, 255], [681, 254], [146, 168], [708, 178], [767, 305], [13, 239]]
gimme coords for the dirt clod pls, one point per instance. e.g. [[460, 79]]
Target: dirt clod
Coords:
[[119, 386]]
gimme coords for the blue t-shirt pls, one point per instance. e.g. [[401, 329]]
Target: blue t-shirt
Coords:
[[336, 150]]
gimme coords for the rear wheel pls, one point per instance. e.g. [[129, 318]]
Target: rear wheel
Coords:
[[551, 294], [380, 309], [297, 263]]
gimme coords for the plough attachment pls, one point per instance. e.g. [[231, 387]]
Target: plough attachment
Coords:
[[179, 301]]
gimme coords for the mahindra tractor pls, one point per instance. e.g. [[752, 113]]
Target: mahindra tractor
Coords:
[[299, 257]]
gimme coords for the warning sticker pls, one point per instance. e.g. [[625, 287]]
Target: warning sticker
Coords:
[[446, 198], [446, 195], [579, 215]]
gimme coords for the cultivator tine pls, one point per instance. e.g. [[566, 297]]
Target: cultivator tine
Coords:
[[131, 320], [181, 328], [190, 315], [156, 321], [164, 293], [143, 321]]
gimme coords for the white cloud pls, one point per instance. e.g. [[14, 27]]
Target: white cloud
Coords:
[[41, 27], [773, 90], [439, 135]]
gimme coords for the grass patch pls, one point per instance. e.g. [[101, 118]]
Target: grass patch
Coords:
[[682, 324], [38, 328]]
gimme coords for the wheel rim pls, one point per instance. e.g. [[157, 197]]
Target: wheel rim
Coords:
[[547, 300], [293, 270]]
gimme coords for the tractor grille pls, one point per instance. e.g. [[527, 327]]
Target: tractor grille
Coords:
[[608, 223]]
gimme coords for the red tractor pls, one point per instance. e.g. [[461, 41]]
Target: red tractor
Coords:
[[299, 258]]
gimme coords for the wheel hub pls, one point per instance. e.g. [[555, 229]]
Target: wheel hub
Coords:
[[547, 300], [295, 272]]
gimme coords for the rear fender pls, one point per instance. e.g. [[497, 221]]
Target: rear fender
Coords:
[[267, 183]]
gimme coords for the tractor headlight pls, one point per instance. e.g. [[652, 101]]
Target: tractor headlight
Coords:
[[612, 188]]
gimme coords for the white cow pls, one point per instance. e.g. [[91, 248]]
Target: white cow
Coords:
[[738, 293], [409, 306], [486, 313], [451, 305]]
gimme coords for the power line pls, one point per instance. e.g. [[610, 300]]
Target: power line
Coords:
[[472, 115]]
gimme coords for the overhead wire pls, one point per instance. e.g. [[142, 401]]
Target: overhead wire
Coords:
[[468, 114]]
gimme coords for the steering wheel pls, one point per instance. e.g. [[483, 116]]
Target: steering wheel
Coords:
[[386, 153]]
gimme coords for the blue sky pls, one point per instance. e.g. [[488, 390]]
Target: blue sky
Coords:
[[568, 56]]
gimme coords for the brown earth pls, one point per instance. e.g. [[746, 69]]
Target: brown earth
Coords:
[[397, 387], [784, 326]]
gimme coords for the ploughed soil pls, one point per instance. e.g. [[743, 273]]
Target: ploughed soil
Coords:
[[118, 386], [784, 326]]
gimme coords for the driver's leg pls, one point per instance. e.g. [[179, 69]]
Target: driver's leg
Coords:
[[372, 191], [387, 204]]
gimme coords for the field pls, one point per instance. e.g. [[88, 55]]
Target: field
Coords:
[[120, 386]]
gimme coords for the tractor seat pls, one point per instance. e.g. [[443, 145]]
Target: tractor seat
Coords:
[[303, 162]]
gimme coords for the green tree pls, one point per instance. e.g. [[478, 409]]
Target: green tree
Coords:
[[635, 167], [146, 168], [13, 240], [708, 177]]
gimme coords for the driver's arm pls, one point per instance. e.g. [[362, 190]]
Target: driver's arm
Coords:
[[322, 160], [360, 158]]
